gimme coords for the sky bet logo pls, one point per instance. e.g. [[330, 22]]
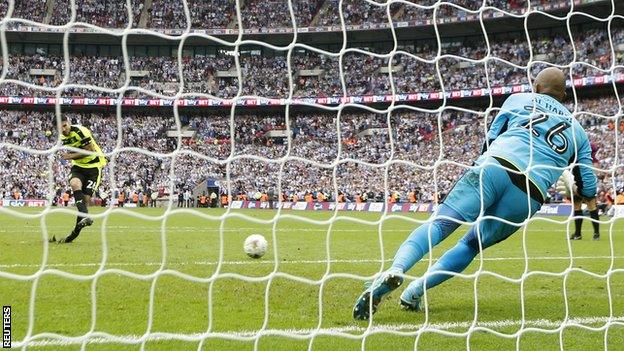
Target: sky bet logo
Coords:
[[6, 327]]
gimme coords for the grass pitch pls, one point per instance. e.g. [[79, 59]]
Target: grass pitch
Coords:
[[135, 272]]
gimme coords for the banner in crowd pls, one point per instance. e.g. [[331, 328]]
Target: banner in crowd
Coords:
[[555, 210], [24, 203], [463, 16], [546, 210], [334, 100]]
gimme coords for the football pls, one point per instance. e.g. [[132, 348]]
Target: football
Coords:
[[255, 246]]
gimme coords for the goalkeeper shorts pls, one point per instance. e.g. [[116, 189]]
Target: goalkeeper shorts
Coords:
[[490, 190]]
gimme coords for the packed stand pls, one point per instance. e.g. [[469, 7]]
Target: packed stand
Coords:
[[211, 14], [318, 75], [33, 10], [220, 14], [276, 14], [354, 12], [445, 11], [167, 14], [101, 13], [437, 147]]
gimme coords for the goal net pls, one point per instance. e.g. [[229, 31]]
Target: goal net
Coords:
[[331, 127]]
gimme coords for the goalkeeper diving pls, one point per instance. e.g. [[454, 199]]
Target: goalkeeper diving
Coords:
[[530, 142], [85, 174]]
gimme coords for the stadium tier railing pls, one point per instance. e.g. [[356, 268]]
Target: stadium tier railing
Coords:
[[333, 100]]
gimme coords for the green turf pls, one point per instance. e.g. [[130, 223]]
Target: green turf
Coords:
[[125, 263]]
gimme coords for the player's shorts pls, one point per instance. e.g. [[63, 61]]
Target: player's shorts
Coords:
[[494, 190], [90, 178]]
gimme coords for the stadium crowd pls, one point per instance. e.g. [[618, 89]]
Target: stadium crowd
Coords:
[[102, 13], [324, 150], [315, 74], [168, 14], [436, 147]]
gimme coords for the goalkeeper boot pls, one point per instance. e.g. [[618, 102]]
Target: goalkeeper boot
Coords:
[[596, 236], [371, 297], [410, 302], [576, 237]]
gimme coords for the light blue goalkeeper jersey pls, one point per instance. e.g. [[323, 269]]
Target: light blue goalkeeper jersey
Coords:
[[535, 130]]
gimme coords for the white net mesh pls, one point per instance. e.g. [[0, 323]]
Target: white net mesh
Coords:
[[363, 146]]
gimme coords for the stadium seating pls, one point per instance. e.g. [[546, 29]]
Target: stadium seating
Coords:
[[163, 14], [364, 136], [315, 74]]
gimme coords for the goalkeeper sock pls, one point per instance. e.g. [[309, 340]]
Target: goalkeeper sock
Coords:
[[578, 223], [417, 244], [594, 215], [454, 260]]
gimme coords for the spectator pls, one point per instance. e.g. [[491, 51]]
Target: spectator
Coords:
[[153, 198], [180, 198]]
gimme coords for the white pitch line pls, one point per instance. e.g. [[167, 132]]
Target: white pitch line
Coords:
[[135, 339], [271, 262], [169, 229]]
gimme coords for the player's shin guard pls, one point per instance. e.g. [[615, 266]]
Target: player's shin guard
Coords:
[[454, 260], [417, 244]]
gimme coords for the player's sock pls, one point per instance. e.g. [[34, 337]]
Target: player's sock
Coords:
[[82, 208], [454, 260], [80, 201], [578, 223], [417, 244], [77, 227], [594, 215]]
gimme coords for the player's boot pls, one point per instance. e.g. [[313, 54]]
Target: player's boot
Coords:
[[68, 239], [85, 222], [62, 240], [596, 236], [576, 237], [382, 285], [71, 237]]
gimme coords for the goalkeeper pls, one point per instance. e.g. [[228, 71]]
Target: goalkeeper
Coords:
[[86, 172], [533, 134]]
